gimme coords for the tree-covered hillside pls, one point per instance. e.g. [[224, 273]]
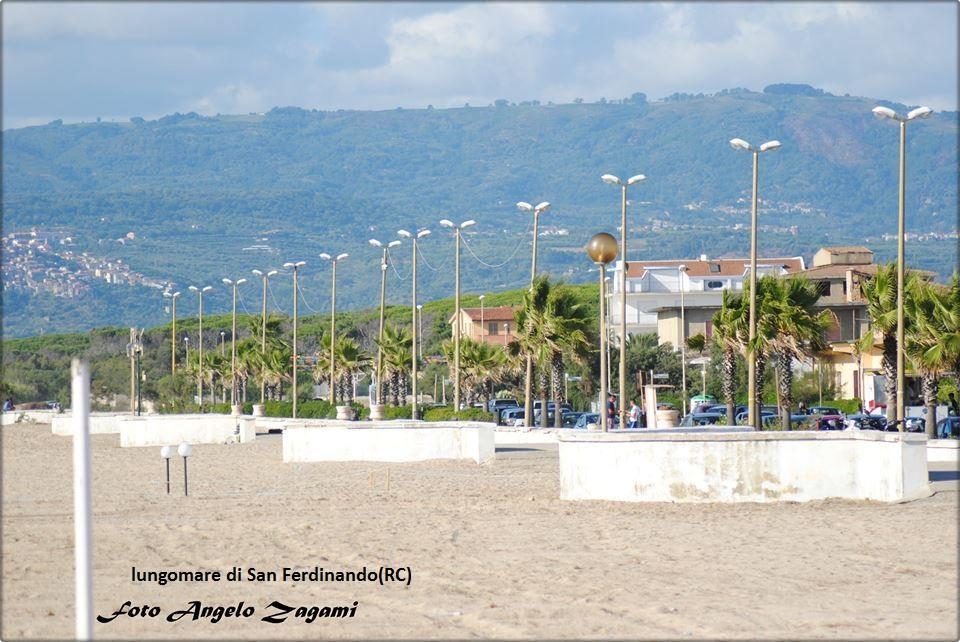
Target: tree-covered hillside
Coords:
[[292, 183]]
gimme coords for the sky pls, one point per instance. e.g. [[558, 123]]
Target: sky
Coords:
[[79, 61]]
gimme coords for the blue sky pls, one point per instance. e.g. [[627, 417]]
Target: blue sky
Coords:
[[80, 61]]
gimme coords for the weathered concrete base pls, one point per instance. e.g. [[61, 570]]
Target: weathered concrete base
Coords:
[[377, 412], [943, 451], [162, 430], [101, 423], [726, 466], [259, 410], [400, 441], [345, 413], [27, 416]]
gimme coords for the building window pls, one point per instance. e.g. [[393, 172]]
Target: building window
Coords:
[[823, 288], [715, 268], [714, 285], [493, 328]]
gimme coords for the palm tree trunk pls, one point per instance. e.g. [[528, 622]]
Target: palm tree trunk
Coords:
[[558, 393], [928, 385], [784, 382], [728, 383], [758, 400], [889, 366], [543, 380]]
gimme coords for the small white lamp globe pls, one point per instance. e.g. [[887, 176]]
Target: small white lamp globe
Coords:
[[166, 452], [184, 449]]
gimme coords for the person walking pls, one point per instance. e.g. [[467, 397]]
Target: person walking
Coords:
[[954, 405], [612, 411], [634, 414]]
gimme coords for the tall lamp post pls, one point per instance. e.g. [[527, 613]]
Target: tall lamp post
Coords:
[[610, 179], [173, 331], [681, 278], [333, 318], [295, 266], [386, 247], [482, 297], [413, 307], [602, 249], [458, 230], [528, 383], [753, 416], [263, 329], [886, 112], [233, 341], [420, 328], [200, 292]]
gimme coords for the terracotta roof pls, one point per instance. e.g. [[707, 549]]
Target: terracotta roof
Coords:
[[498, 313], [713, 267]]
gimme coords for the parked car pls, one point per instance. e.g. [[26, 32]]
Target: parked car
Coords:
[[587, 418], [722, 409], [824, 410], [570, 418], [861, 421], [741, 418], [949, 428], [911, 424], [496, 405], [702, 419], [512, 416], [829, 422]]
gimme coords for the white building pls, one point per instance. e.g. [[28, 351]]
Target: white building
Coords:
[[653, 292]]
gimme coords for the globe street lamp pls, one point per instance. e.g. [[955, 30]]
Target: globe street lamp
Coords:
[[333, 318], [886, 112], [263, 332], [413, 307], [753, 416], [528, 383], [602, 248], [200, 292], [173, 331], [233, 341], [383, 300], [610, 179], [295, 266], [458, 230]]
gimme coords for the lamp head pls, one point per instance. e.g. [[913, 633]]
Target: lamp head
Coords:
[[636, 179], [542, 207], [227, 281], [272, 272], [375, 243], [207, 288], [447, 223], [682, 267], [340, 257], [423, 233], [610, 179], [166, 452], [393, 243], [184, 449], [770, 145], [466, 224], [885, 112], [602, 248], [241, 281], [523, 206], [919, 112], [288, 264], [405, 234], [324, 256], [483, 296], [257, 272], [193, 288], [739, 143], [175, 295]]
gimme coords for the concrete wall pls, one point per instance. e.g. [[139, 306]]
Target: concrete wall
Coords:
[[943, 450], [27, 416], [381, 441], [161, 430], [726, 466], [100, 423]]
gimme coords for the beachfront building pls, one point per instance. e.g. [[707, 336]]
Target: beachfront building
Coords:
[[494, 325]]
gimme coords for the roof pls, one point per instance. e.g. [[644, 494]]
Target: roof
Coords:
[[846, 249], [838, 271], [497, 313], [714, 267]]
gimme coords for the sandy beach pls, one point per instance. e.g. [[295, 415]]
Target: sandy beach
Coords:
[[492, 550]]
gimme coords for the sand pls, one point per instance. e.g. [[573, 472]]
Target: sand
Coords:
[[494, 553]]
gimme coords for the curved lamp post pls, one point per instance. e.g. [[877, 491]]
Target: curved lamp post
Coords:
[[173, 331], [233, 340], [413, 307], [386, 247], [918, 113], [333, 318], [263, 328], [753, 416], [610, 179], [295, 266], [200, 292], [528, 383], [602, 248], [457, 229]]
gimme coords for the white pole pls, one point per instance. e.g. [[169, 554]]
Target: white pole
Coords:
[[80, 397]]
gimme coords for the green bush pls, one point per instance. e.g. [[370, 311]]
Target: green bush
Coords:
[[846, 406], [447, 413]]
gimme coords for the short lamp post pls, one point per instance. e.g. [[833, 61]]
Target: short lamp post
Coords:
[[602, 248], [184, 450], [167, 452]]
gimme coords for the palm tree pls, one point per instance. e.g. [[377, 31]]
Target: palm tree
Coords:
[[932, 341], [793, 329], [567, 325], [350, 360], [727, 329], [480, 365], [397, 361], [276, 370], [529, 340]]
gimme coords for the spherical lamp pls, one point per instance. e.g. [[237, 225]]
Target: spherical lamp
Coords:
[[602, 248]]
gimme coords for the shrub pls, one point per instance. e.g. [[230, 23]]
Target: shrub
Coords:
[[447, 413]]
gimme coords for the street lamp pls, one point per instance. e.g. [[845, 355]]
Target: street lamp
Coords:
[[263, 331], [233, 341], [602, 249], [383, 299], [200, 292], [413, 307], [482, 297], [135, 351], [753, 416], [173, 331], [610, 179], [886, 112], [528, 383], [457, 229], [295, 266], [681, 274], [420, 328], [333, 318]]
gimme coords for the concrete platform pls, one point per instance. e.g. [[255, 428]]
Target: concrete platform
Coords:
[[725, 465], [101, 423], [27, 416], [387, 441], [161, 430], [943, 451]]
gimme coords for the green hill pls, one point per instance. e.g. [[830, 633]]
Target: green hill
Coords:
[[196, 191]]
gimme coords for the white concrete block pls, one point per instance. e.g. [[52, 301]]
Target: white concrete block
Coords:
[[387, 441], [101, 423], [161, 430], [736, 466], [943, 451], [27, 416]]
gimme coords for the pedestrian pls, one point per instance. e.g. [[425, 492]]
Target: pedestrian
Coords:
[[634, 414], [612, 411], [8, 405], [954, 405], [802, 408]]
